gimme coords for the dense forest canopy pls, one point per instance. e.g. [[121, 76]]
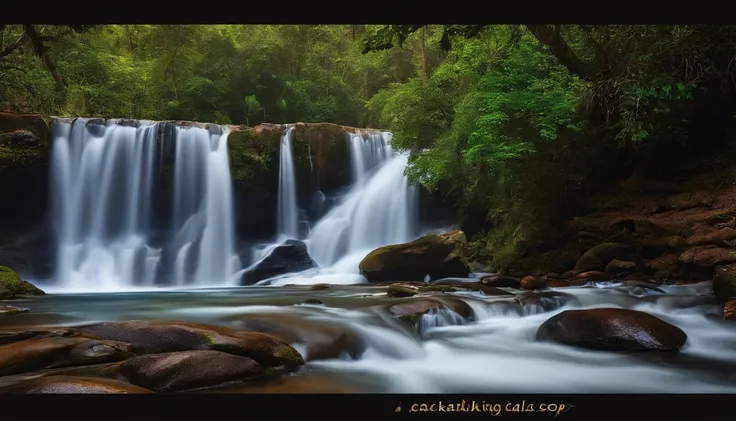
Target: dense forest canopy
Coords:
[[511, 123]]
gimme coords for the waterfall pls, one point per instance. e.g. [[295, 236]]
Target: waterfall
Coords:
[[287, 210], [379, 209], [104, 190]]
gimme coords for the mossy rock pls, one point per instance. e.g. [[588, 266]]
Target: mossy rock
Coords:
[[412, 261], [12, 283]]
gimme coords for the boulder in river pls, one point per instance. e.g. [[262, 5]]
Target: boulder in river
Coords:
[[729, 310], [532, 282], [8, 310], [612, 329], [289, 257], [724, 282], [149, 337], [321, 339], [187, 370], [53, 352], [73, 385], [500, 281], [599, 256], [433, 255]]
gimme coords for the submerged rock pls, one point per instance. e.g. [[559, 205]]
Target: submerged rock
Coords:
[[148, 337], [612, 329], [186, 370], [291, 256], [435, 256], [8, 310], [53, 352], [73, 385]]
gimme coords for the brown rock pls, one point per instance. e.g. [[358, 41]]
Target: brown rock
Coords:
[[638, 277], [186, 370], [592, 275], [612, 329], [316, 287], [532, 282], [431, 255], [729, 310], [322, 339], [53, 352], [620, 267], [150, 337], [402, 290], [717, 237], [708, 256], [73, 385]]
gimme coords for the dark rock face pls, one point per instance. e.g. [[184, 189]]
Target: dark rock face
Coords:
[[73, 385], [52, 352], [179, 371], [167, 336], [435, 256], [599, 256], [291, 256], [612, 329], [724, 282], [499, 281]]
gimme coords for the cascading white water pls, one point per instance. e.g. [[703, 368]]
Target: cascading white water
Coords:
[[287, 210], [103, 195], [379, 209]]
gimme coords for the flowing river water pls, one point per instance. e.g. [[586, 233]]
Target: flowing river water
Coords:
[[493, 351]]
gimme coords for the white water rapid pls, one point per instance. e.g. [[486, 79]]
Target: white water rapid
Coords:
[[103, 186], [379, 209]]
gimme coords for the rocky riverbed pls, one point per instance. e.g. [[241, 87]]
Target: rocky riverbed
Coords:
[[464, 335]]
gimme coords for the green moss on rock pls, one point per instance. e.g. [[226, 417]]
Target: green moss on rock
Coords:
[[14, 285]]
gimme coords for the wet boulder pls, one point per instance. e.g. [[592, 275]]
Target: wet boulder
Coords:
[[612, 329], [53, 352], [532, 282], [73, 385], [321, 339], [433, 255], [187, 370], [149, 337], [289, 257], [724, 282]]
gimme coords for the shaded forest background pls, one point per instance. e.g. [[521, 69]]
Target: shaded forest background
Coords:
[[517, 126]]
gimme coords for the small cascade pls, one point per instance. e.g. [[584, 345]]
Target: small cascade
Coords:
[[288, 211], [379, 209]]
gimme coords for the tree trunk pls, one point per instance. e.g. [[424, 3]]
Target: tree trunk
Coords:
[[550, 36], [42, 52]]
